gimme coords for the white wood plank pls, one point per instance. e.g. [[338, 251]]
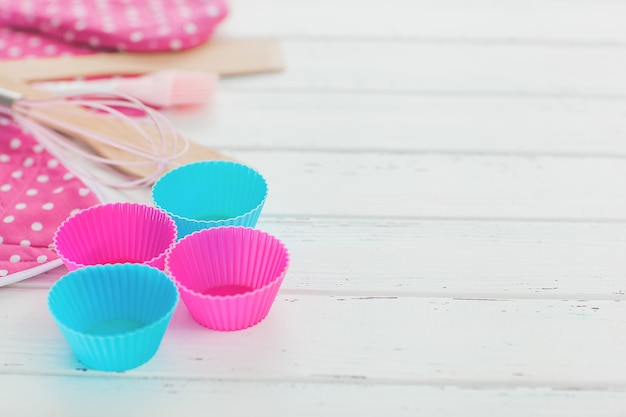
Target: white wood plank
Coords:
[[450, 259], [391, 122], [455, 259], [73, 396], [565, 344], [478, 20], [440, 186], [446, 68]]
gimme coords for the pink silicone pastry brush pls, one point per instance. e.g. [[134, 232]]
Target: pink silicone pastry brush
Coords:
[[167, 88]]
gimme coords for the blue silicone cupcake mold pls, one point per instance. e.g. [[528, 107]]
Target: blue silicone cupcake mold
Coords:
[[113, 316]]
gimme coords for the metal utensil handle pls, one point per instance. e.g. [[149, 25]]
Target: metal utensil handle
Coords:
[[8, 97]]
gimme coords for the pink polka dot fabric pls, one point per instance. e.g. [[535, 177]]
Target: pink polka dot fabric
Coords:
[[17, 44], [130, 25], [36, 194]]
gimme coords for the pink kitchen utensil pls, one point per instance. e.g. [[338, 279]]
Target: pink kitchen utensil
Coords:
[[162, 89]]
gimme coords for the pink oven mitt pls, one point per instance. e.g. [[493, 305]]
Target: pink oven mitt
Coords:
[[36, 194], [131, 25]]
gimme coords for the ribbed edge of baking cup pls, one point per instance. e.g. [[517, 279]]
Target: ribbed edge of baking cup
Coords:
[[115, 233], [209, 194], [113, 316], [228, 276]]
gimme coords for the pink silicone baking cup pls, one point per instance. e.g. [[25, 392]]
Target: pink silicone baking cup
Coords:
[[228, 277], [115, 233]]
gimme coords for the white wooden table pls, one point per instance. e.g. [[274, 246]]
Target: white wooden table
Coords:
[[449, 176]]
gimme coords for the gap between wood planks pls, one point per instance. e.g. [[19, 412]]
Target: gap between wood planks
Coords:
[[434, 151], [424, 93], [487, 219], [335, 379], [341, 294]]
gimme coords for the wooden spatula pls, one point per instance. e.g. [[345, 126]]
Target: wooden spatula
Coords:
[[96, 124], [226, 57]]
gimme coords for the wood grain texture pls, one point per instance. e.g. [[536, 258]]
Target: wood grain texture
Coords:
[[387, 185], [386, 66], [326, 121], [506, 343], [435, 186], [194, 397]]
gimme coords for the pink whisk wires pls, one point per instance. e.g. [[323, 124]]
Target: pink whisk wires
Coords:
[[162, 144]]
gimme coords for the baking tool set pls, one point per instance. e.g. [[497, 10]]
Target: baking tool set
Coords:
[[128, 262], [228, 276]]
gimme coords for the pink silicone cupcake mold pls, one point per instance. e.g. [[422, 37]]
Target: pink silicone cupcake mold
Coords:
[[115, 233], [228, 277]]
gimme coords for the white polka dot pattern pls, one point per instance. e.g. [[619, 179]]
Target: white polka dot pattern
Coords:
[[36, 195], [133, 25], [15, 44]]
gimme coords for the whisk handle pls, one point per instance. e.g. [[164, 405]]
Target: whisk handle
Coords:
[[8, 97]]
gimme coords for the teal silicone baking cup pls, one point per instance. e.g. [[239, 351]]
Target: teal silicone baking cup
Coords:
[[113, 316], [208, 194]]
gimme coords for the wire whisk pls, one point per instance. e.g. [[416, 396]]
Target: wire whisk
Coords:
[[113, 130]]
